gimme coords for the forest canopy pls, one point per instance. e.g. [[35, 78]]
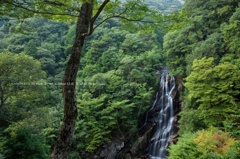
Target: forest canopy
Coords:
[[116, 77], [204, 55]]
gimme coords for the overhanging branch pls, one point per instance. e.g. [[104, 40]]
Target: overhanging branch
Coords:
[[127, 19], [19, 5], [99, 10], [93, 19]]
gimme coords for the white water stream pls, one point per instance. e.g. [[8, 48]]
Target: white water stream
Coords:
[[164, 124]]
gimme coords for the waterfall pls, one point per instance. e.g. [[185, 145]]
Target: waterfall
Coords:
[[164, 122]]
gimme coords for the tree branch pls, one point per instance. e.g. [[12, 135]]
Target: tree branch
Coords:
[[54, 3], [99, 10], [19, 5], [93, 19], [133, 20], [122, 17]]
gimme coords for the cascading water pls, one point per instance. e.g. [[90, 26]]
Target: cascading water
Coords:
[[164, 123]]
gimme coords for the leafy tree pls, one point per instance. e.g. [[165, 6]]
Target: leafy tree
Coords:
[[200, 34], [185, 148], [213, 141], [213, 46], [214, 89], [23, 94], [190, 121], [85, 13], [112, 101], [24, 145], [210, 143], [21, 80], [205, 51], [232, 33], [175, 47], [31, 48], [38, 42]]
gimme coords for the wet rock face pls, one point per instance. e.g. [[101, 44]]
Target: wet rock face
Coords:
[[139, 146], [111, 150]]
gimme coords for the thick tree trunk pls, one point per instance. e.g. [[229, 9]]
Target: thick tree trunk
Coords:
[[64, 140]]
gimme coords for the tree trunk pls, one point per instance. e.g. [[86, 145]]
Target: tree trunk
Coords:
[[1, 95], [64, 140]]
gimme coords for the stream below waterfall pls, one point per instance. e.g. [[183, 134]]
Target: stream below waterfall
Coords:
[[163, 129]]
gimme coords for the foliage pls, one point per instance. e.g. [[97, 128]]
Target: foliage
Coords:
[[204, 52], [117, 75], [214, 89], [21, 81], [24, 145], [115, 86], [205, 32], [231, 32], [190, 120], [185, 148], [210, 143], [23, 90], [118, 69], [161, 5], [42, 42], [124, 93]]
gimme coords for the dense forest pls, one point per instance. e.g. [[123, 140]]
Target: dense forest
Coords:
[[204, 55], [117, 78]]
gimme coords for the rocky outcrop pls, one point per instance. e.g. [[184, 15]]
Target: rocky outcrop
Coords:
[[111, 151]]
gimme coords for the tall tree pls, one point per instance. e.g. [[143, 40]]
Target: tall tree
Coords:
[[20, 82], [86, 14], [64, 141]]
